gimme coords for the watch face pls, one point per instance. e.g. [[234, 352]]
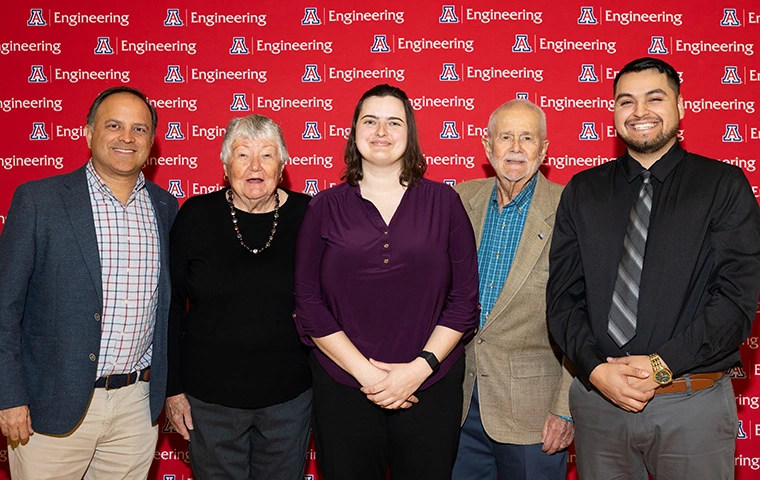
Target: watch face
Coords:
[[663, 377]]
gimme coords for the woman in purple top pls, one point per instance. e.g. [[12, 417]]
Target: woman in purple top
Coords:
[[386, 288]]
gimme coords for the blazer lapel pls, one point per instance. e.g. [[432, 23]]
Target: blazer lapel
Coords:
[[76, 201], [161, 209], [478, 204], [533, 241]]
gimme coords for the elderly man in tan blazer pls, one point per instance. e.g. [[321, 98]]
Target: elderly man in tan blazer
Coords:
[[516, 420]]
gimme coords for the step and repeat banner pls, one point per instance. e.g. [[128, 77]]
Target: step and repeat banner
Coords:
[[306, 63]]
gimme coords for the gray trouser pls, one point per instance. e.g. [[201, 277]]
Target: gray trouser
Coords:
[[238, 444], [690, 435]]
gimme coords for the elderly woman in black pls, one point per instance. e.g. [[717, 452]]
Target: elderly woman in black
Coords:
[[239, 386]]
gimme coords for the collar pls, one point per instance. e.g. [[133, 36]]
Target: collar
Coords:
[[521, 201], [98, 182], [659, 169]]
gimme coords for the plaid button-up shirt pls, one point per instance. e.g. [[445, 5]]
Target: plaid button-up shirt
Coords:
[[498, 244], [129, 249]]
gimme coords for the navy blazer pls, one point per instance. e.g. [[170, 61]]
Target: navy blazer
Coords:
[[51, 300]]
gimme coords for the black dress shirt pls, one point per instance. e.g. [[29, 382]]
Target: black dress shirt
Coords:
[[701, 276]]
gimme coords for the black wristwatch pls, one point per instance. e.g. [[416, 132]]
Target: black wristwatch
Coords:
[[431, 359]]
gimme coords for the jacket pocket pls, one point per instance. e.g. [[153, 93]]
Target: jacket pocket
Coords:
[[534, 379]]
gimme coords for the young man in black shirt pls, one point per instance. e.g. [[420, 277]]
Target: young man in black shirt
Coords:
[[654, 281]]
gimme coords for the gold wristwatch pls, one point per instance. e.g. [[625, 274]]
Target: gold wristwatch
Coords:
[[662, 374]]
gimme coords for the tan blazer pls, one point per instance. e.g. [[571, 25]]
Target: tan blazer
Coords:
[[520, 378]]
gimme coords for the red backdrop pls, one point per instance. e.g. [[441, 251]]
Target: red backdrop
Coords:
[[305, 64]]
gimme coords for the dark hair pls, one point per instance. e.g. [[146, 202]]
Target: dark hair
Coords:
[[649, 63], [121, 89], [413, 161]]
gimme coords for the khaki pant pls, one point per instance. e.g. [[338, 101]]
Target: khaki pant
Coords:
[[115, 440]]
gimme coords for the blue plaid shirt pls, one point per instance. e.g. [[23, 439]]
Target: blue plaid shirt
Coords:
[[498, 244]]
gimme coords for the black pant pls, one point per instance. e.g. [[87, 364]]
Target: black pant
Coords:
[[356, 439]]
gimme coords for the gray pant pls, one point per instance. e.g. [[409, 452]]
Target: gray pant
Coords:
[[262, 443], [677, 436]]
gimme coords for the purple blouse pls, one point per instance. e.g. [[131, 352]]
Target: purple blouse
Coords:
[[386, 286]]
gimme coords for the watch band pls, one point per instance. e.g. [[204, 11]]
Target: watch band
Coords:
[[656, 362], [431, 359]]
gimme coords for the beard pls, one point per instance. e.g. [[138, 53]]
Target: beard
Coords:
[[650, 145]]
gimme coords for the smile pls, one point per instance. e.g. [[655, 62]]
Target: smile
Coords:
[[643, 126], [123, 150]]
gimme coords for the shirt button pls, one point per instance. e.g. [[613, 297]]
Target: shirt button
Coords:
[[92, 357], [490, 284], [385, 232], [498, 254], [386, 245], [386, 261], [480, 340], [294, 315], [97, 317]]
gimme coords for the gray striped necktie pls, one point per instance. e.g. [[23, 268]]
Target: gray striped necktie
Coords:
[[625, 300]]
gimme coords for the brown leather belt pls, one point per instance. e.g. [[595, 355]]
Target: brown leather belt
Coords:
[[698, 381]]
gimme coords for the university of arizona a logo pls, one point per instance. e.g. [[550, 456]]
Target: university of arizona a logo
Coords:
[[175, 188], [587, 74], [657, 47], [731, 76], [238, 103], [587, 16], [450, 182], [310, 17], [104, 46], [729, 18], [449, 73], [522, 96], [173, 75], [742, 435], [732, 134], [172, 18], [521, 44], [311, 187], [588, 131], [311, 132], [35, 18], [239, 47], [38, 132], [449, 131], [448, 15], [311, 75], [37, 75], [380, 45], [174, 132], [168, 427], [737, 372]]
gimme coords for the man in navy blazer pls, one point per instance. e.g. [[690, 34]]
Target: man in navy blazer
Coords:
[[84, 299]]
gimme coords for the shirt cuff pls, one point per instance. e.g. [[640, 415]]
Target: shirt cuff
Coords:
[[567, 419]]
